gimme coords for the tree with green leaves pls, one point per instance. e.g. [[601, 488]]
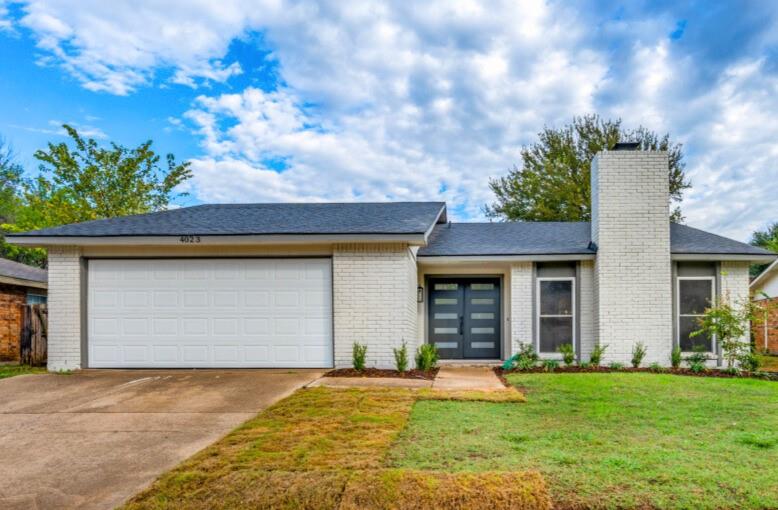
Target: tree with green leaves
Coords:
[[767, 239], [553, 184], [85, 181]]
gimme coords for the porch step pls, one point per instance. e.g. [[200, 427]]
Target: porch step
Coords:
[[478, 378]]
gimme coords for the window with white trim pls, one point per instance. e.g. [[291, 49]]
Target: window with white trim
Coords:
[[694, 294], [555, 313]]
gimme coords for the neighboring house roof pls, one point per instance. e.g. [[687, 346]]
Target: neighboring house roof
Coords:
[[263, 219], [15, 273], [561, 238], [765, 275]]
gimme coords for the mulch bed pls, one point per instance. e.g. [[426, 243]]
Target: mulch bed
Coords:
[[767, 376], [382, 372]]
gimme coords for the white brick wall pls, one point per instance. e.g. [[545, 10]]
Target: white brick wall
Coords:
[[64, 304], [632, 275], [734, 285], [374, 301], [586, 318], [521, 305]]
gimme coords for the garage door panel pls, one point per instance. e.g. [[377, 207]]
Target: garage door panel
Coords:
[[210, 313]]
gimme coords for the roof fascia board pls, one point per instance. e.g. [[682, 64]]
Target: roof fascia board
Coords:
[[738, 257], [21, 282], [761, 276], [208, 240], [434, 224], [464, 259]]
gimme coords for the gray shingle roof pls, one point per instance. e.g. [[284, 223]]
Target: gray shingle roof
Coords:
[[689, 240], [12, 269], [560, 238], [263, 219], [510, 238]]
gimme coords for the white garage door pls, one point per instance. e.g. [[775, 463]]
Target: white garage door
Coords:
[[210, 313]]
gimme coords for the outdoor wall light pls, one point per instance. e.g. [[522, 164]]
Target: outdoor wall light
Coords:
[[419, 294]]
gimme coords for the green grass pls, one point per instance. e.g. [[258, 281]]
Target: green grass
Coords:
[[12, 370], [613, 440]]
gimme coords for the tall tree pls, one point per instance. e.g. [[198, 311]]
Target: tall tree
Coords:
[[767, 239], [89, 182], [11, 185], [552, 183]]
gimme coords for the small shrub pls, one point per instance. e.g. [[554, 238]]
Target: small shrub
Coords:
[[426, 357], [568, 354], [525, 359], [597, 354], [524, 363], [401, 357], [675, 357], [732, 371], [550, 365], [358, 356], [616, 366], [585, 365], [638, 353], [697, 360], [749, 362], [656, 367]]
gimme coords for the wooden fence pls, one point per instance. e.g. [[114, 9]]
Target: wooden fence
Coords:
[[35, 332]]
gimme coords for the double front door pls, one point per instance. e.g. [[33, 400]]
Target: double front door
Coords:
[[464, 317]]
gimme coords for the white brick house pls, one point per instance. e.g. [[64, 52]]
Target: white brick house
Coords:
[[295, 285]]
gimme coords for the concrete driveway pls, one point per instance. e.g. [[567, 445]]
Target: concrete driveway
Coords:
[[95, 438]]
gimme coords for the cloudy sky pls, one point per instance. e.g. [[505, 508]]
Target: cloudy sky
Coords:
[[340, 101]]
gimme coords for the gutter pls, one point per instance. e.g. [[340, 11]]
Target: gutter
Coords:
[[21, 282], [215, 240]]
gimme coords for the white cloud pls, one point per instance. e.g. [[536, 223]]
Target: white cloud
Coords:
[[55, 128], [397, 100]]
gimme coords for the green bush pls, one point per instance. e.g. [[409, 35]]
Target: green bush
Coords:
[[525, 359], [585, 364], [358, 356], [550, 365], [676, 357], [597, 354], [616, 365], [749, 362], [426, 357], [568, 354], [656, 367], [638, 353], [401, 357]]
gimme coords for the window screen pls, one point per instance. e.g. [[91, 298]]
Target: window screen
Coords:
[[694, 296], [555, 309]]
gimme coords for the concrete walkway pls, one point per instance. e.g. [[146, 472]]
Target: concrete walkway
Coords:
[[454, 378]]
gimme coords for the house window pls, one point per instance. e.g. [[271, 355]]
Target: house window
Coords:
[[694, 295], [35, 299], [555, 313]]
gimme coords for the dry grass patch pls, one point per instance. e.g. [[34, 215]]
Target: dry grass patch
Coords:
[[311, 449], [401, 489]]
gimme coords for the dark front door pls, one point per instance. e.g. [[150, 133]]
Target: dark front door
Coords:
[[464, 317]]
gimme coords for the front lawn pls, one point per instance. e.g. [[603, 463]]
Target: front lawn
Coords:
[[12, 370], [326, 448], [613, 440]]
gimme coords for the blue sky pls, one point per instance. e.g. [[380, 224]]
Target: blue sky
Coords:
[[297, 101]]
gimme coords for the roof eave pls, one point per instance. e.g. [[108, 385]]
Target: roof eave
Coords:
[[418, 239], [763, 275], [737, 257], [22, 282], [539, 257]]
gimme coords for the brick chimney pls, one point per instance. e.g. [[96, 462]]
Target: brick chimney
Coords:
[[633, 276]]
